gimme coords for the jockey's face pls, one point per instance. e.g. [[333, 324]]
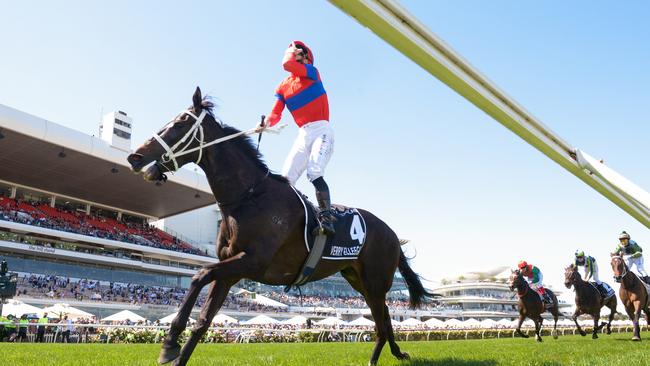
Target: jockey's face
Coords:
[[625, 242], [300, 56]]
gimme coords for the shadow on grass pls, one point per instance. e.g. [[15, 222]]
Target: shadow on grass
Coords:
[[448, 362]]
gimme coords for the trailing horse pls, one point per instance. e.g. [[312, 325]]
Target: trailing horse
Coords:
[[588, 301], [633, 293], [531, 305], [261, 233]]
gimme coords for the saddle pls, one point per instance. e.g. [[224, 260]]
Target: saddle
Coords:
[[605, 290], [547, 300]]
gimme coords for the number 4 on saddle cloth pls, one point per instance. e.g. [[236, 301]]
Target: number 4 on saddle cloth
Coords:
[[345, 244]]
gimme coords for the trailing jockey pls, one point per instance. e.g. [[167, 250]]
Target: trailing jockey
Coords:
[[632, 253], [591, 271], [534, 277], [303, 94]]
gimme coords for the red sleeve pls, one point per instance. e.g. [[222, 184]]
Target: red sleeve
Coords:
[[290, 64], [276, 112]]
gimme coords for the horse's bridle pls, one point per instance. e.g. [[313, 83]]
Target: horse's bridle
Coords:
[[517, 288], [171, 154]]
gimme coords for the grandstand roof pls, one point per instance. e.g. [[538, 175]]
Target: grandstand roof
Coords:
[[30, 157]]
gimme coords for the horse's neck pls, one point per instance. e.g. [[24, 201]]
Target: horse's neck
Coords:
[[630, 280], [583, 287], [523, 288], [231, 174]]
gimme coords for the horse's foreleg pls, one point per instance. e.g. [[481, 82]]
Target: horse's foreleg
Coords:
[[575, 316], [170, 348], [522, 317], [216, 297], [232, 268], [635, 320]]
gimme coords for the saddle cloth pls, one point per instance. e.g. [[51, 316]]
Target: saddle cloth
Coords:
[[350, 229]]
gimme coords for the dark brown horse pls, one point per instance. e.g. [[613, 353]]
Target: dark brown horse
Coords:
[[633, 293], [261, 234], [531, 305], [588, 301]]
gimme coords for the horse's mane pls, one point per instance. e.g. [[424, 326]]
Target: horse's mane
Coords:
[[244, 143]]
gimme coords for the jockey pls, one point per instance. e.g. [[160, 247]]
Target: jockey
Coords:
[[303, 94], [534, 278], [632, 253], [591, 267]]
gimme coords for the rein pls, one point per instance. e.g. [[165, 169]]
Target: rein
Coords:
[[175, 151]]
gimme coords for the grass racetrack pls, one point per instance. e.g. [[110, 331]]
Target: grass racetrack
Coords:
[[615, 349]]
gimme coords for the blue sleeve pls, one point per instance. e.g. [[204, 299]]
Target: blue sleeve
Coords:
[[312, 73]]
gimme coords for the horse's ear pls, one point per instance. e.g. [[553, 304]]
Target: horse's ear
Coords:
[[197, 99]]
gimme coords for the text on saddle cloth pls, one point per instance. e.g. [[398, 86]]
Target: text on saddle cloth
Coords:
[[350, 234]]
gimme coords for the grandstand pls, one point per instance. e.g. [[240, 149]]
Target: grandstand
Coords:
[[481, 294], [70, 207]]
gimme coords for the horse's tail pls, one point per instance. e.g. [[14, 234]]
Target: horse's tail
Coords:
[[417, 292]]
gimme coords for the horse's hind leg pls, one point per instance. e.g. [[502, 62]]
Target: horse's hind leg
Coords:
[[538, 329], [612, 305], [376, 300], [596, 316], [216, 297], [556, 315], [394, 348]]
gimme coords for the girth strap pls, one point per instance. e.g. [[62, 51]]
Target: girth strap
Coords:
[[310, 264]]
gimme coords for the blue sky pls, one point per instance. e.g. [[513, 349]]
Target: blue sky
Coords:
[[466, 191]]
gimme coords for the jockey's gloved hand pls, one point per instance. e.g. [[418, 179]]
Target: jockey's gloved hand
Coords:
[[637, 255]]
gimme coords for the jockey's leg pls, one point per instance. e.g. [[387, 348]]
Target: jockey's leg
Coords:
[[594, 275], [324, 203], [296, 162], [639, 267], [629, 261], [596, 279], [321, 152]]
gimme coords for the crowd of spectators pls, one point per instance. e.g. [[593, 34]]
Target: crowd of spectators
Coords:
[[348, 302], [43, 215], [65, 288]]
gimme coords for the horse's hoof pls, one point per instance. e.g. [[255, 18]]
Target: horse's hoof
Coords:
[[636, 339], [403, 356], [371, 363], [594, 336], [525, 336], [609, 331], [555, 336], [169, 354], [583, 333], [538, 338]]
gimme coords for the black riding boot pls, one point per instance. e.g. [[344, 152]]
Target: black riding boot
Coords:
[[647, 279], [325, 216]]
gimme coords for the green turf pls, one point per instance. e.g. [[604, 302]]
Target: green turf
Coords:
[[616, 349]]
